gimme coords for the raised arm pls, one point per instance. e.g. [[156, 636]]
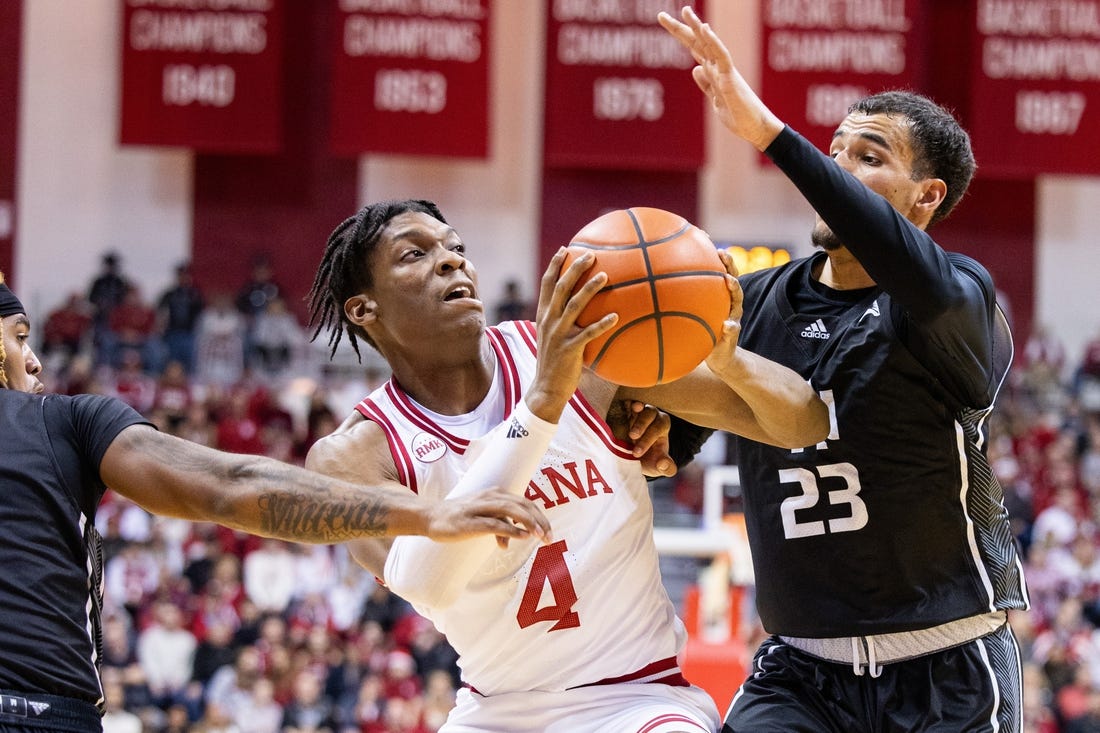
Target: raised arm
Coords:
[[742, 392], [946, 300], [174, 477]]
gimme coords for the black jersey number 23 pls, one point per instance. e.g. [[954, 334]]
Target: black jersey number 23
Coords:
[[846, 493]]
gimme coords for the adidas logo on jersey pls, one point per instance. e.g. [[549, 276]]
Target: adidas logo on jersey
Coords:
[[515, 430], [816, 330]]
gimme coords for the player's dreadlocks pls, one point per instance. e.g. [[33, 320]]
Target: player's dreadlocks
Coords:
[[345, 267]]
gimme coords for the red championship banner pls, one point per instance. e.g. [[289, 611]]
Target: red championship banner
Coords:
[[1035, 87], [619, 92], [819, 56], [11, 29], [411, 76], [203, 74]]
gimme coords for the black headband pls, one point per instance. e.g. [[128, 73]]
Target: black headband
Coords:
[[9, 304]]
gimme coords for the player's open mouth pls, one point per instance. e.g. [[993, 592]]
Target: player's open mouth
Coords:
[[459, 292]]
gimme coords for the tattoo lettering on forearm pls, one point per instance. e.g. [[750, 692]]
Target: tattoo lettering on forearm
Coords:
[[330, 521]]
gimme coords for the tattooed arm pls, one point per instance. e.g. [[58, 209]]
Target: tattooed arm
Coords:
[[174, 477]]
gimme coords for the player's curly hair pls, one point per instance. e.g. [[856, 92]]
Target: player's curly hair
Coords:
[[345, 268], [941, 147]]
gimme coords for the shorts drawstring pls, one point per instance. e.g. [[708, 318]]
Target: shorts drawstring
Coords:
[[869, 649]]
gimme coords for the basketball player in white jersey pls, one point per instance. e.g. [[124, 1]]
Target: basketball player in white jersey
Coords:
[[576, 633]]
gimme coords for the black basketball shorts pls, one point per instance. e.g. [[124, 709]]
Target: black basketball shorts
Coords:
[[972, 688]]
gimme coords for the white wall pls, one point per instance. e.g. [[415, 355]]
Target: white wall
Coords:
[[81, 194], [1067, 261]]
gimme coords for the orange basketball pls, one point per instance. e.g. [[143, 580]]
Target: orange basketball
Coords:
[[668, 286]]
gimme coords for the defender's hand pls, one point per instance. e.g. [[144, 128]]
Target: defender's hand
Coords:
[[647, 427], [494, 512]]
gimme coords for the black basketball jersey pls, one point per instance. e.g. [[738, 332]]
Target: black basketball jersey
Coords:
[[51, 584], [895, 522]]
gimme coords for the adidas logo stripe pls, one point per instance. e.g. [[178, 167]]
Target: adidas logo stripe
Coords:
[[816, 330], [515, 430]]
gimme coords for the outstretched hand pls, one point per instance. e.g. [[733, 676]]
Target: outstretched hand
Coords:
[[733, 100], [495, 512]]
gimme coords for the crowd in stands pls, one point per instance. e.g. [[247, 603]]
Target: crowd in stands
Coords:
[[215, 631]]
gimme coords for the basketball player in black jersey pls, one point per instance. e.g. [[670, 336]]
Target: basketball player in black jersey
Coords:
[[60, 454], [883, 556]]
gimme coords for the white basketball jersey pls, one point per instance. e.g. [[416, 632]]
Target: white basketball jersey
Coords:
[[587, 608]]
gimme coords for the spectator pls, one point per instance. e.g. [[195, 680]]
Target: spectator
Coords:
[[513, 306], [166, 652], [230, 686], [132, 327], [117, 719], [259, 712], [176, 720], [197, 426], [219, 343], [432, 652], [1059, 522], [131, 576], [268, 575], [400, 679], [172, 396], [118, 641], [276, 334], [214, 651], [309, 711], [259, 289], [132, 385], [238, 430], [178, 311], [215, 719], [67, 328], [346, 596], [385, 608], [364, 711], [401, 716], [439, 698], [252, 299], [105, 293]]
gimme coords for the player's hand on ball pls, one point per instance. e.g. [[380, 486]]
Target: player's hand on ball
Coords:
[[723, 350], [561, 340]]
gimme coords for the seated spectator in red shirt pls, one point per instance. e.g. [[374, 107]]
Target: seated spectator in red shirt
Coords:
[[131, 325], [238, 430], [132, 385], [68, 327], [173, 395]]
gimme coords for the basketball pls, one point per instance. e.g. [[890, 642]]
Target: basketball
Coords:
[[666, 283]]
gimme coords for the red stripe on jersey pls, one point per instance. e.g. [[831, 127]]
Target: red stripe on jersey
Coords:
[[508, 370], [416, 416], [670, 718], [600, 427], [530, 335], [654, 672], [401, 458]]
